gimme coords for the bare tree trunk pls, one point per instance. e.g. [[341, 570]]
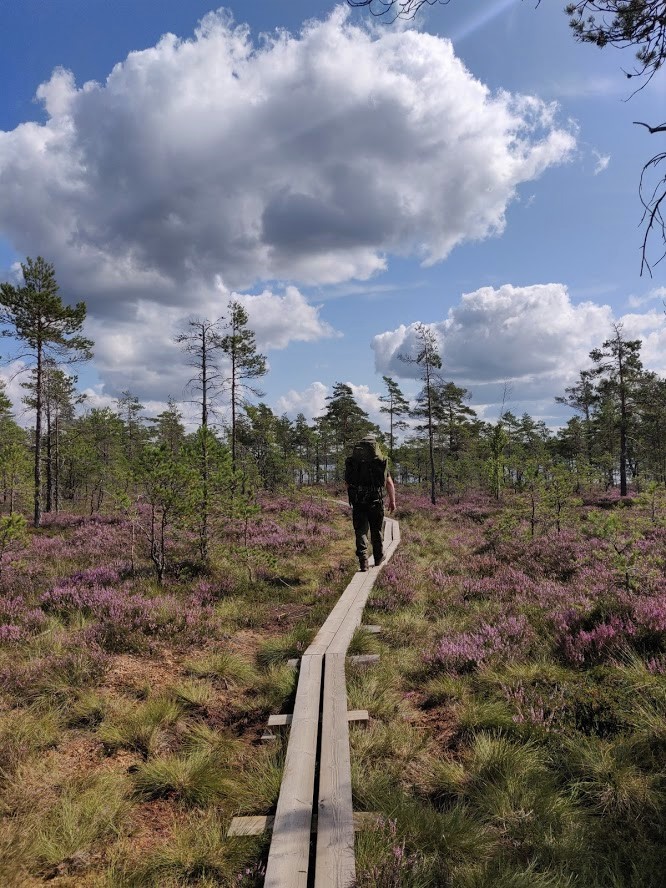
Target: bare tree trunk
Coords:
[[38, 444]]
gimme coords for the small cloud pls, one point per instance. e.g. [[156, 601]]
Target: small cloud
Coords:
[[602, 161], [311, 401], [658, 293]]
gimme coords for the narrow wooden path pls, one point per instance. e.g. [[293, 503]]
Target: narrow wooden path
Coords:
[[316, 793]]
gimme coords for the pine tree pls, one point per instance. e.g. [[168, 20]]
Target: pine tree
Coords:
[[49, 329], [245, 364], [347, 421], [168, 428], [14, 462], [429, 362], [59, 399], [618, 367], [395, 406]]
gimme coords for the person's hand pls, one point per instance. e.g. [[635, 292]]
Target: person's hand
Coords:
[[391, 508]]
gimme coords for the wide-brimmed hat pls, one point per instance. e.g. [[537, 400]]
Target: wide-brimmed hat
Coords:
[[370, 437]]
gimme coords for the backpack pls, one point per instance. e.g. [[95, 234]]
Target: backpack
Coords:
[[365, 475]]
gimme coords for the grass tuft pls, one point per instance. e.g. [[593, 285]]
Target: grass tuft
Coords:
[[277, 650], [197, 778], [140, 727], [230, 669], [196, 853], [83, 815]]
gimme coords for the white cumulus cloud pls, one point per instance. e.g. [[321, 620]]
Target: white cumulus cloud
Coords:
[[532, 338], [306, 157], [311, 402]]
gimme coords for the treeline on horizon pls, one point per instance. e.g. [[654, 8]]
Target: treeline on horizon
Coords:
[[103, 458]]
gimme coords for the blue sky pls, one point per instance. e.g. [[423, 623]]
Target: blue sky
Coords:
[[343, 178]]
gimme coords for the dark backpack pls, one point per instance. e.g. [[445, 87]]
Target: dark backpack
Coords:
[[365, 474]]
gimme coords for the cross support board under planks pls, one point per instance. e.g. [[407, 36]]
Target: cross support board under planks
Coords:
[[323, 664]]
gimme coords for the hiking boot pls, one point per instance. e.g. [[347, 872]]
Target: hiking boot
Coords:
[[378, 559], [363, 564]]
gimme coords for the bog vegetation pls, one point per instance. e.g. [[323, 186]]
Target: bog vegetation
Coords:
[[154, 583]]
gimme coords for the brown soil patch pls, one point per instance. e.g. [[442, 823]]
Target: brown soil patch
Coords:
[[128, 672], [79, 754], [151, 823], [439, 721], [283, 617]]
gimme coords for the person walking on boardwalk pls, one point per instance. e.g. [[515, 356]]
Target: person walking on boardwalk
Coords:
[[366, 476]]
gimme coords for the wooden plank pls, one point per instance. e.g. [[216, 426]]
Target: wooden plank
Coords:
[[372, 629], [361, 583], [288, 859], [364, 659], [335, 866], [250, 826], [353, 618], [290, 846], [279, 721]]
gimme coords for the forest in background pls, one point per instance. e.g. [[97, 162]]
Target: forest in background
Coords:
[[105, 458]]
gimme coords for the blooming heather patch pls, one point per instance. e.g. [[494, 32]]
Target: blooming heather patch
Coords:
[[507, 639], [18, 619], [585, 639], [124, 619], [476, 507], [395, 586]]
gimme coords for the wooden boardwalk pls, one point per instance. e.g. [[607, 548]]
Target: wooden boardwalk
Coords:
[[317, 771]]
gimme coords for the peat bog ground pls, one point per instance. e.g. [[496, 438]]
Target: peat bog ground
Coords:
[[518, 713]]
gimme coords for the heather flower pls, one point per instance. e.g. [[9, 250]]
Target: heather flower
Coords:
[[10, 633], [20, 619], [394, 588], [585, 639], [508, 638]]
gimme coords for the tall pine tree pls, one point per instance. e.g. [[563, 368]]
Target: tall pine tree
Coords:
[[37, 317]]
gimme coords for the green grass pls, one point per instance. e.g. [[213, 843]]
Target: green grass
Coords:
[[196, 778], [25, 732], [195, 853], [277, 650], [87, 709], [231, 670], [85, 813], [140, 727], [193, 696]]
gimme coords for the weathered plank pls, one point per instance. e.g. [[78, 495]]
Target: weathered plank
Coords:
[[290, 846], [364, 659], [282, 720], [294, 818], [335, 866], [354, 613], [250, 826]]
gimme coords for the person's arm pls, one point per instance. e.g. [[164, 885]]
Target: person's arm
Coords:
[[390, 489]]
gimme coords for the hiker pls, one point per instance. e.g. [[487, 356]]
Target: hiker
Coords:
[[366, 475]]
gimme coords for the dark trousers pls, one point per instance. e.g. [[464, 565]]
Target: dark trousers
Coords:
[[368, 520]]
